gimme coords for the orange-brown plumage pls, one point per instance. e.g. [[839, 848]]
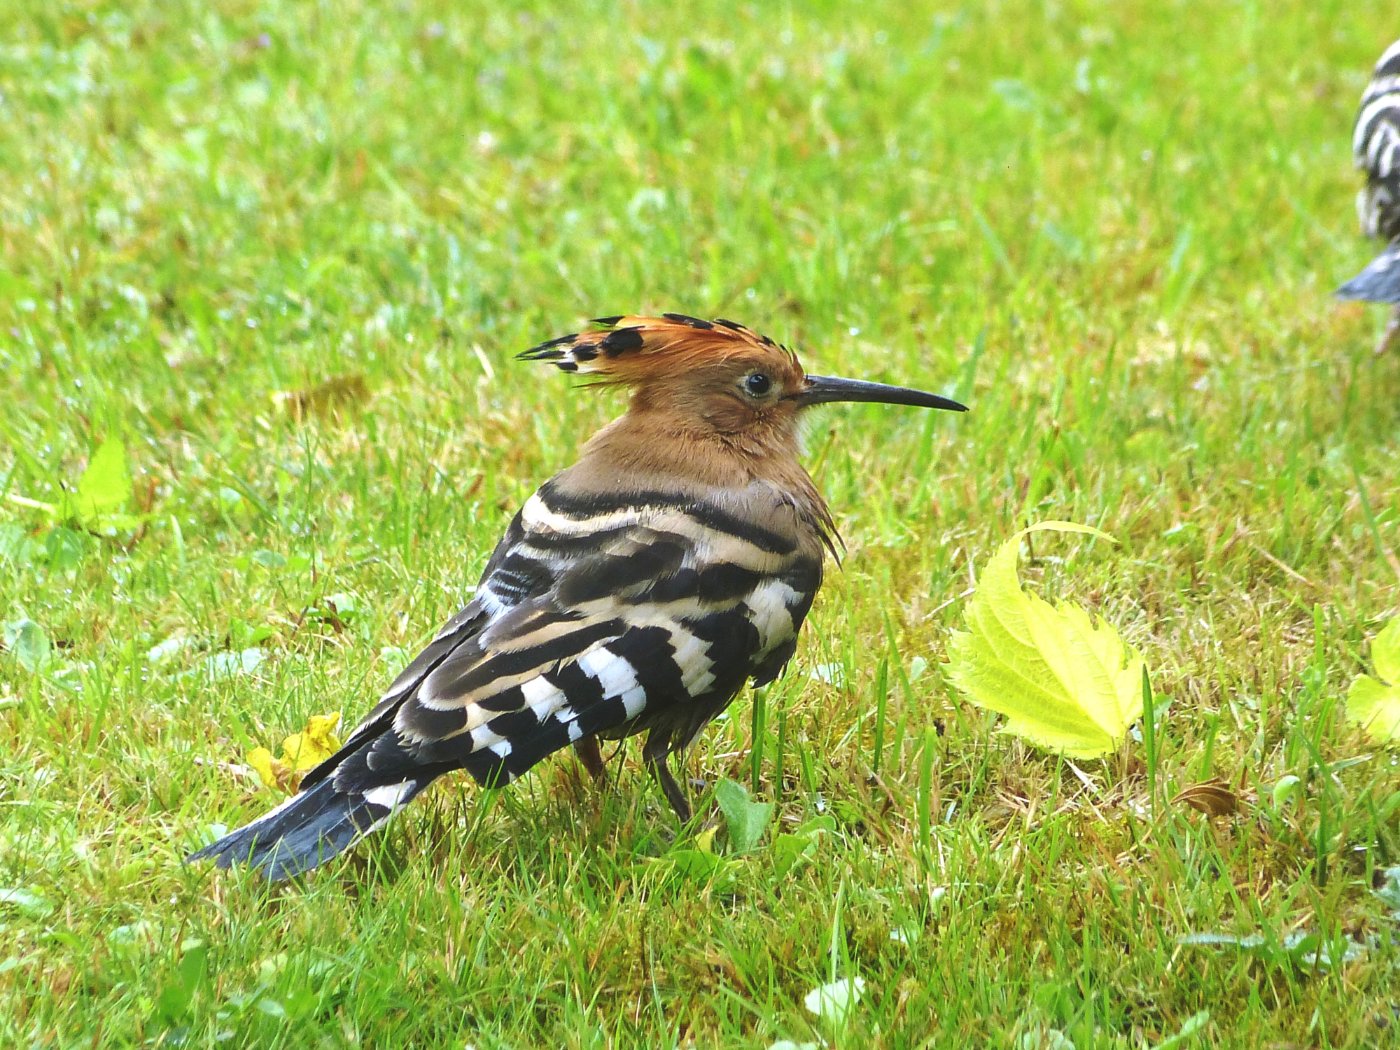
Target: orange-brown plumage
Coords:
[[690, 415]]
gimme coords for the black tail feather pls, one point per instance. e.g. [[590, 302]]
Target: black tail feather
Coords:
[[1379, 282], [309, 829]]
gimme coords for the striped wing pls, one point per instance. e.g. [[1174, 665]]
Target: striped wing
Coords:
[[1376, 145], [596, 615]]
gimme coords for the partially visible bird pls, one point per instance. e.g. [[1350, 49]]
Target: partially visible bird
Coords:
[[636, 591], [1376, 146]]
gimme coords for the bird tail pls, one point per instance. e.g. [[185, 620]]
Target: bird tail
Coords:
[[310, 828], [1379, 282]]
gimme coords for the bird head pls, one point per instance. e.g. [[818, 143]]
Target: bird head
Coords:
[[718, 375]]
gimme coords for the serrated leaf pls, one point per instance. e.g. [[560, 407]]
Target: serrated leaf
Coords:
[[105, 487], [1307, 950], [1385, 652], [1063, 682], [1373, 704], [745, 819]]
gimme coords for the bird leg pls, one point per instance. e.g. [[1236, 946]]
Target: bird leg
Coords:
[[1391, 336], [674, 793], [590, 757], [655, 754]]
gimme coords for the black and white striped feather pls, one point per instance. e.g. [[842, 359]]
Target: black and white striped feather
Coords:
[[1376, 147], [601, 613]]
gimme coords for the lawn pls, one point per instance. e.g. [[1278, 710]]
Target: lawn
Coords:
[[285, 253]]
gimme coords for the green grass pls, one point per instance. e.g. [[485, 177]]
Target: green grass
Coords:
[[1111, 228]]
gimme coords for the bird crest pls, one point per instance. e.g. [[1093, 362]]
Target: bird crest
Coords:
[[630, 349]]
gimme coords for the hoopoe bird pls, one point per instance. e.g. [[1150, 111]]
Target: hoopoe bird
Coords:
[[1376, 147], [635, 592]]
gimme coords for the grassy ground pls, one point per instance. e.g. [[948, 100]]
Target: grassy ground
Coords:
[[287, 250]]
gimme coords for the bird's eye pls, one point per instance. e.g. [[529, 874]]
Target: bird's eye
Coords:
[[757, 384]]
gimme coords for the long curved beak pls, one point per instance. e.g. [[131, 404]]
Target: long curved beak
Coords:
[[821, 389]]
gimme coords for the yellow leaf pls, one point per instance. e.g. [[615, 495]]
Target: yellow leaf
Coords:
[[705, 841], [300, 752], [1374, 703], [262, 762], [1064, 682], [313, 745]]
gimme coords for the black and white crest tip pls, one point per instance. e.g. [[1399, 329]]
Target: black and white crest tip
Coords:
[[617, 342]]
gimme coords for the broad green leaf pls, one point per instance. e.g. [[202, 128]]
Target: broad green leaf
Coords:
[[25, 901], [745, 819], [17, 545], [105, 487], [792, 848], [1064, 682], [177, 994], [29, 645], [703, 866], [64, 548], [1374, 703], [1385, 652]]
